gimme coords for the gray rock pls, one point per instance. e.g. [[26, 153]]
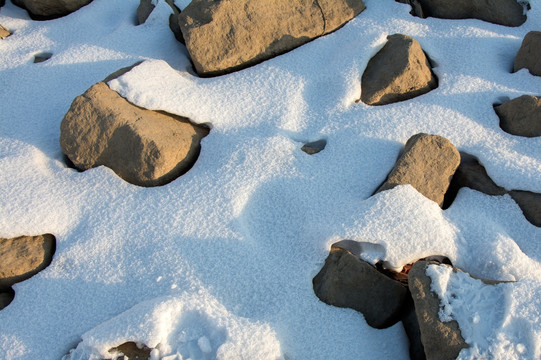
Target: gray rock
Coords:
[[4, 33], [398, 72], [173, 22], [314, 147], [23, 257], [144, 10], [529, 54], [428, 164], [521, 116], [347, 281], [132, 351], [145, 148], [50, 9], [441, 340], [224, 36], [502, 12], [530, 204]]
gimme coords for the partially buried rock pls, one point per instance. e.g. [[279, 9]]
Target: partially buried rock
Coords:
[[50, 9], [529, 54], [23, 257], [521, 116], [441, 340], [347, 281], [314, 147], [399, 71], [4, 33], [224, 36], [144, 10], [143, 147], [132, 351], [428, 164], [530, 204], [502, 12]]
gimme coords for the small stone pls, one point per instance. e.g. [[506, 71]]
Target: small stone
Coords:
[[428, 164], [521, 116], [50, 9], [314, 147], [4, 33], [144, 10], [398, 72], [529, 54]]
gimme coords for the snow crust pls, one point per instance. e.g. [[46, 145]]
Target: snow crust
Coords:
[[222, 259]]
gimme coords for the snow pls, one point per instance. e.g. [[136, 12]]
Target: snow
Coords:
[[221, 260]]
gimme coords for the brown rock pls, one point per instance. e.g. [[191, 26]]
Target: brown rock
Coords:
[[23, 257], [399, 71], [529, 53], [530, 204], [50, 9], [428, 164], [224, 36], [347, 281], [4, 33], [441, 340], [143, 147], [521, 116], [502, 12], [131, 351], [144, 10]]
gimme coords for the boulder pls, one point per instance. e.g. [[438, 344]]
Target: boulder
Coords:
[[521, 116], [428, 164], [223, 36], [530, 204], [144, 10], [440, 340], [23, 257], [4, 33], [347, 281], [50, 9], [529, 53], [398, 72], [502, 12], [143, 147]]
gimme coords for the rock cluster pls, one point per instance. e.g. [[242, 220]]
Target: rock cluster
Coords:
[[529, 53], [399, 71], [50, 9], [224, 36]]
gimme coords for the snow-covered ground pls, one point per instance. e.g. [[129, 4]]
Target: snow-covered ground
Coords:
[[219, 263]]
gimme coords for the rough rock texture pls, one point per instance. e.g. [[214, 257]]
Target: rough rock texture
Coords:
[[23, 257], [144, 10], [347, 281], [502, 12], [42, 57], [143, 147], [224, 36], [314, 147], [4, 33], [50, 9], [530, 204], [399, 71], [529, 54], [521, 116], [428, 164], [441, 340]]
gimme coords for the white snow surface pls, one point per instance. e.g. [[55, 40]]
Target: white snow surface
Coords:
[[219, 263]]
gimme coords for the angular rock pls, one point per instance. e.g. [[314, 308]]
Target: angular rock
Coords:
[[529, 54], [173, 22], [224, 36], [4, 33], [530, 204], [398, 72], [50, 9], [314, 147], [347, 281], [441, 340], [521, 116], [143, 147], [428, 164], [144, 10], [23, 257], [502, 12]]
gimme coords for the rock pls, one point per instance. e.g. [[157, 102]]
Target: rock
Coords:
[[143, 147], [530, 204], [144, 10], [529, 53], [23, 257], [521, 116], [502, 12], [2, 3], [42, 57], [428, 164], [6, 297], [132, 351], [441, 340], [224, 36], [50, 9], [399, 71], [4, 33], [314, 147], [347, 281], [173, 21], [413, 331]]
